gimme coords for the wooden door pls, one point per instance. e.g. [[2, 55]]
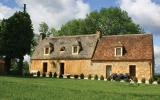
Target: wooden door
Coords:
[[132, 71], [108, 70]]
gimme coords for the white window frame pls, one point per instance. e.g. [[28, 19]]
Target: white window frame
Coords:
[[73, 50], [45, 51], [116, 51]]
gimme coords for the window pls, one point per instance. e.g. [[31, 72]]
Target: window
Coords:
[[46, 51], [75, 49], [62, 49], [118, 51]]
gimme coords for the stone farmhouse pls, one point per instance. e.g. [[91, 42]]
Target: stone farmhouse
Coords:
[[95, 54]]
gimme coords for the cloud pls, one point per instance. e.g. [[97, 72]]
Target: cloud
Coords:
[[157, 58], [54, 12], [144, 12]]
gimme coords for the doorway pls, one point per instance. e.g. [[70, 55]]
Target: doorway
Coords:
[[132, 71], [108, 70], [61, 68], [45, 65]]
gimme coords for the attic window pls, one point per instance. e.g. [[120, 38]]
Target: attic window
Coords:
[[62, 49], [46, 51], [75, 49], [118, 51]]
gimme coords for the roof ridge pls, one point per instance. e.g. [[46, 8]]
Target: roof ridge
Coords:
[[127, 35]]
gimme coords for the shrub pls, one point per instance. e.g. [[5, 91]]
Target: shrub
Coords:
[[89, 76], [38, 74], [96, 77], [101, 77], [120, 76], [126, 80], [135, 79], [26, 74], [60, 76], [158, 80], [109, 78], [68, 76], [31, 74], [151, 80], [114, 76], [117, 79], [143, 80], [44, 74], [75, 76], [50, 74], [81, 76], [55, 75]]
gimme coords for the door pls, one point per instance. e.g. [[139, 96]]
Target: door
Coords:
[[45, 65], [132, 71], [108, 70], [61, 68]]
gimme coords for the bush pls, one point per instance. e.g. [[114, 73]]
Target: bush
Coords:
[[55, 75], [26, 74], [31, 74], [151, 80], [126, 80], [135, 79], [143, 80], [81, 76], [120, 76], [101, 77], [68, 76], [44, 74], [89, 76], [117, 79], [75, 76], [114, 76], [96, 77], [50, 74], [60, 76], [38, 74], [109, 78], [158, 80]]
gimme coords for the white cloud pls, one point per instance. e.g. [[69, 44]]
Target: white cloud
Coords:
[[144, 12], [54, 12], [157, 58]]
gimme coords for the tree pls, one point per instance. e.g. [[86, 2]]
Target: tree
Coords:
[[110, 21], [17, 38], [43, 28], [52, 31]]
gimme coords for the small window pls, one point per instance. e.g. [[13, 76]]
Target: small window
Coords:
[[62, 49], [118, 51], [75, 49], [46, 51]]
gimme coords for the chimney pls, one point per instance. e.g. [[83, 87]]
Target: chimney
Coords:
[[42, 36], [24, 8], [99, 34]]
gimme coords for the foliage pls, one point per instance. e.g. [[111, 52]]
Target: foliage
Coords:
[[50, 74], [101, 77], [68, 76], [135, 79], [89, 76], [44, 74], [158, 80], [143, 80], [43, 27], [75, 76], [38, 74], [151, 80], [109, 78], [110, 21], [60, 76], [81, 76], [55, 75], [96, 77]]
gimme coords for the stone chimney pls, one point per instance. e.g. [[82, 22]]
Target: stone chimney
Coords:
[[99, 34], [42, 36], [24, 8]]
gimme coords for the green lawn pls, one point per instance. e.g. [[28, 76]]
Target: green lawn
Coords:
[[15, 88]]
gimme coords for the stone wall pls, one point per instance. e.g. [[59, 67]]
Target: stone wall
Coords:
[[143, 68]]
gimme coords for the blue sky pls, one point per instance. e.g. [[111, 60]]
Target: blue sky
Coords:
[[55, 13]]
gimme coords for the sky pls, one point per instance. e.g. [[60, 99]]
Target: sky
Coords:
[[55, 13]]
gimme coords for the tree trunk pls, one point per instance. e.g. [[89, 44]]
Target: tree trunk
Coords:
[[7, 64], [20, 66]]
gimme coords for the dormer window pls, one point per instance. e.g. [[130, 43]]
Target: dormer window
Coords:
[[46, 51], [75, 49], [62, 49], [118, 51]]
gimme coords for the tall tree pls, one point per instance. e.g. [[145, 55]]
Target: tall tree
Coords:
[[17, 36], [110, 21], [43, 28]]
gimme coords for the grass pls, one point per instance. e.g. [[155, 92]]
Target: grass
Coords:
[[17, 88]]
